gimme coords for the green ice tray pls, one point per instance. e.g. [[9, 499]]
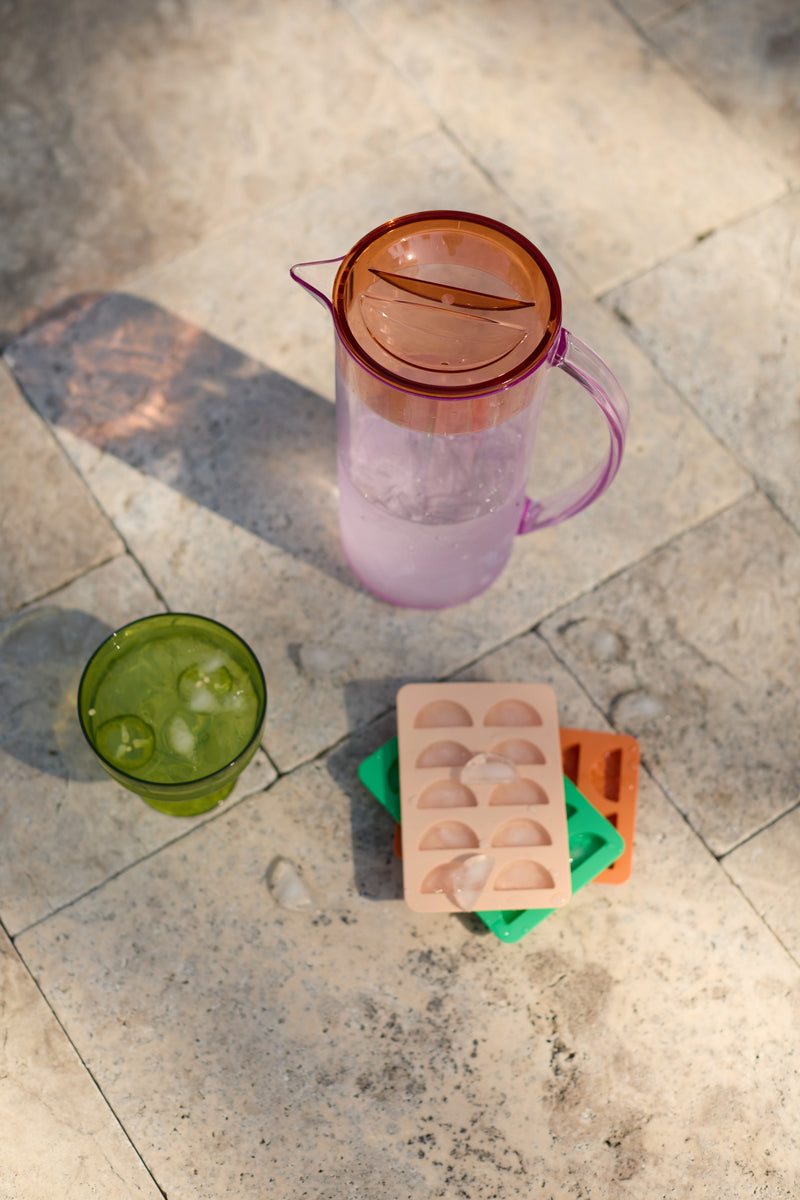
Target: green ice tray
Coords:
[[593, 841]]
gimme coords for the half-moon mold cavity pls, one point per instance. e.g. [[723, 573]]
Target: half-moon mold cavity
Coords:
[[512, 712], [519, 751], [447, 793], [523, 875], [442, 714], [463, 879], [444, 754], [449, 835], [519, 791], [522, 831]]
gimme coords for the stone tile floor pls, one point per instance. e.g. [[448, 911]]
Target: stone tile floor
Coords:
[[168, 442]]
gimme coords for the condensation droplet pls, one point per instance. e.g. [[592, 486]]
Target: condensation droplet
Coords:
[[638, 706], [607, 645]]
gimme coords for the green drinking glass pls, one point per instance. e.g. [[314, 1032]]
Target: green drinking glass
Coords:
[[173, 705]]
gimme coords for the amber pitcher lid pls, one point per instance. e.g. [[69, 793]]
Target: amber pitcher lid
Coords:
[[446, 304]]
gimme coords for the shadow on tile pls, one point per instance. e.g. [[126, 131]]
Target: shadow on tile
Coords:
[[183, 407], [377, 871], [42, 656]]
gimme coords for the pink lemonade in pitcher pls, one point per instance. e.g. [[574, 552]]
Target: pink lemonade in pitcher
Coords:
[[438, 515], [431, 565]]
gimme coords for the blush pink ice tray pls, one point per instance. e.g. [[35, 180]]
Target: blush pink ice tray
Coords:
[[484, 823]]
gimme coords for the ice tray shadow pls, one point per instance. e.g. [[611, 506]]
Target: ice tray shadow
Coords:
[[377, 872], [42, 656], [189, 410]]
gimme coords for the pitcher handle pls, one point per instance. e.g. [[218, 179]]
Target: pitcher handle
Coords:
[[574, 356], [325, 280]]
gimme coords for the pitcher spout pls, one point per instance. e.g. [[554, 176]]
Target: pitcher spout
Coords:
[[318, 278]]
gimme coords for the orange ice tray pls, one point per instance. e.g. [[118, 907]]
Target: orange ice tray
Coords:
[[605, 768], [484, 823]]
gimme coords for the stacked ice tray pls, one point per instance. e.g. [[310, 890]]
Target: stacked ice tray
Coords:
[[484, 822], [593, 842], [605, 768]]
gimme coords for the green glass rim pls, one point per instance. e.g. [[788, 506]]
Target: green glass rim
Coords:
[[168, 789]]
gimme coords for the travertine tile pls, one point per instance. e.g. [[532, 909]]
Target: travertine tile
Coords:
[[59, 1136], [66, 825], [50, 526], [696, 652], [225, 1032], [765, 868], [130, 135], [646, 12], [529, 659], [220, 475], [744, 58], [720, 323], [606, 148]]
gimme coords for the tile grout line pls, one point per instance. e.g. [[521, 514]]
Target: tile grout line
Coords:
[[213, 815], [647, 554], [757, 485], [719, 860], [85, 1066], [757, 833], [602, 294], [8, 362], [645, 33], [40, 597], [760, 916]]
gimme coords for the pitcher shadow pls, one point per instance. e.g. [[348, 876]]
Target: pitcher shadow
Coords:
[[189, 410]]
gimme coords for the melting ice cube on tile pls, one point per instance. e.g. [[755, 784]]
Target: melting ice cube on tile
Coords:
[[286, 887]]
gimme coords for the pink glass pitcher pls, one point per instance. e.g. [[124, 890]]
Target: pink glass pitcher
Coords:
[[447, 325]]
